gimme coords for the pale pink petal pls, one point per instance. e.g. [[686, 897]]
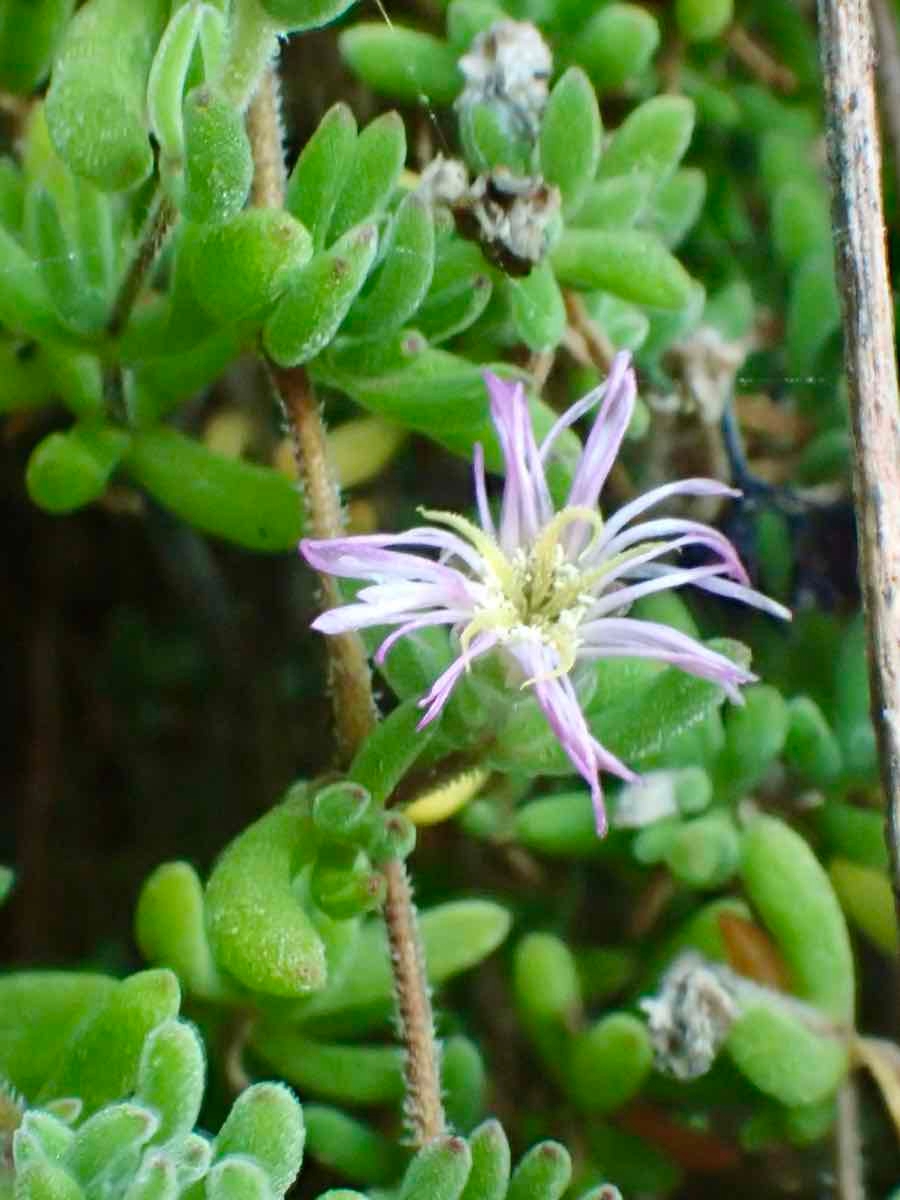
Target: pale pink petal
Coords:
[[360, 616], [481, 499], [625, 637], [683, 487], [440, 691], [559, 704], [446, 617], [605, 438], [572, 414], [353, 559], [745, 595], [526, 504], [636, 565], [664, 578], [702, 535]]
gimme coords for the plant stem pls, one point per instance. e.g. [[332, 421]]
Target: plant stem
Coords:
[[159, 223], [267, 139], [423, 1108], [847, 1144], [858, 221], [759, 61], [350, 679], [351, 682]]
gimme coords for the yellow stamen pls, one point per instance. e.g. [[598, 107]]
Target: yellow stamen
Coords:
[[566, 649], [483, 543]]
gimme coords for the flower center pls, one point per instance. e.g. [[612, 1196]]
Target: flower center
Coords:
[[538, 592]]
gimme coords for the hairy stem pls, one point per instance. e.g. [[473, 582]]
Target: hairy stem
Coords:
[[267, 139], [159, 224], [858, 219], [351, 681], [424, 1110]]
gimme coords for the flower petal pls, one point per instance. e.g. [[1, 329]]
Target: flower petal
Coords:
[[366, 557], [625, 637], [605, 438], [745, 595], [526, 498], [559, 704], [698, 533], [682, 487], [484, 509], [446, 617], [663, 578], [440, 691]]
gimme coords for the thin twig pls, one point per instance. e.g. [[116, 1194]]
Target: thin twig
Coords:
[[351, 681], [159, 223], [847, 1145], [599, 347], [858, 217], [888, 45], [759, 61]]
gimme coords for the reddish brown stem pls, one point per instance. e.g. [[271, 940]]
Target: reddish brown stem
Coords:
[[351, 681]]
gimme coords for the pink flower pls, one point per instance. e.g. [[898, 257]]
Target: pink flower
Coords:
[[546, 589]]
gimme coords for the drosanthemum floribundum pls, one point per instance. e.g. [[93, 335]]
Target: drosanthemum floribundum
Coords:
[[546, 589]]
